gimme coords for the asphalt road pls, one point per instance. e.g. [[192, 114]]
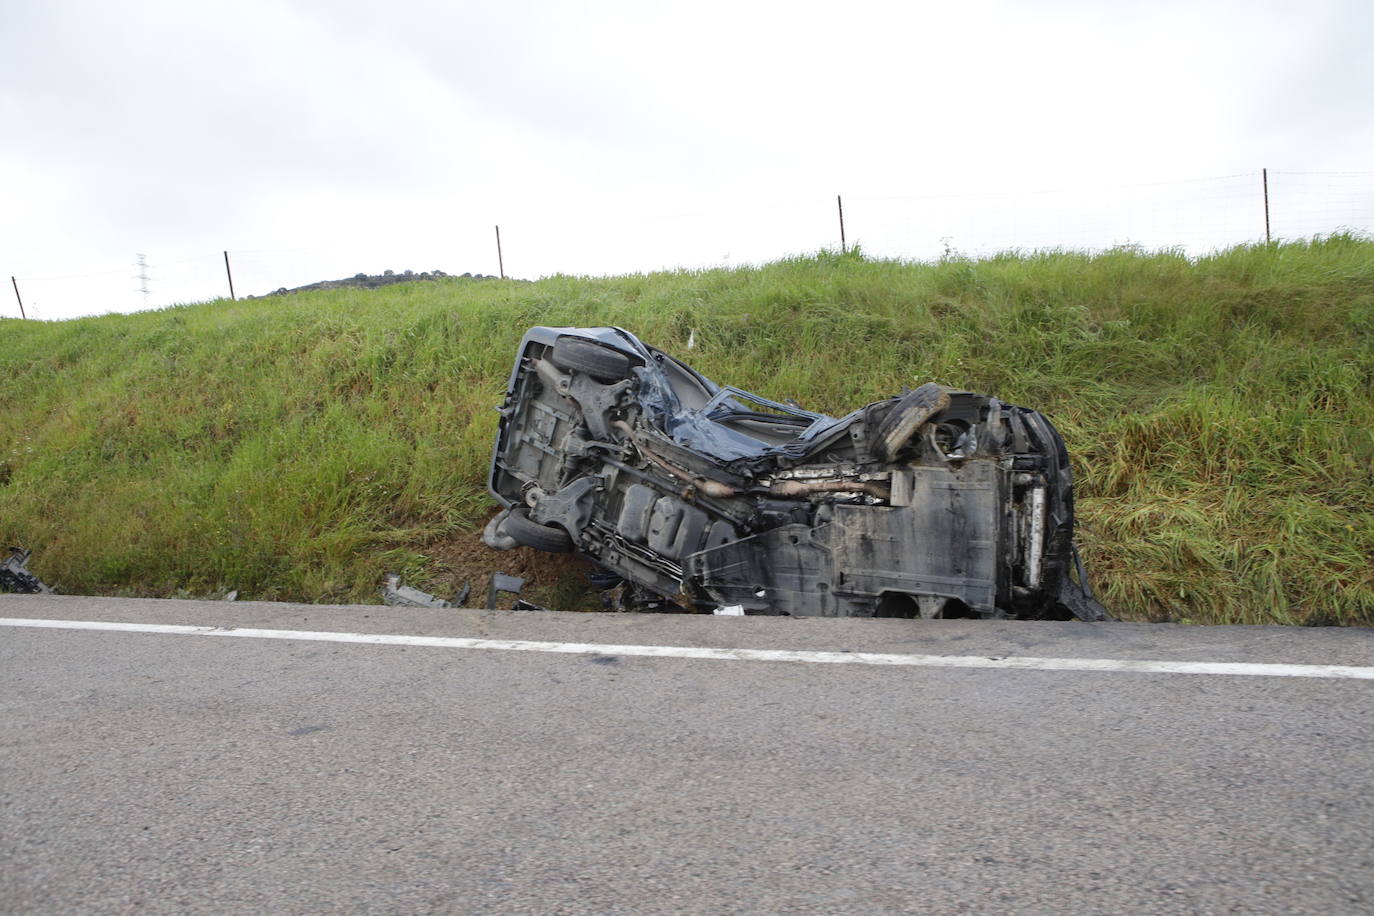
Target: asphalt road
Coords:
[[164, 773]]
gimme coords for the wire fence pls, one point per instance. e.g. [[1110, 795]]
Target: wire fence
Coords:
[[1195, 216]]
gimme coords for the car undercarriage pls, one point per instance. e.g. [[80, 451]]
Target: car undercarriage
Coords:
[[933, 503]]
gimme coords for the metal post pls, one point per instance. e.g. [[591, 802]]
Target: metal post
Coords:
[[1267, 239], [499, 261], [21, 301], [228, 273], [840, 203]]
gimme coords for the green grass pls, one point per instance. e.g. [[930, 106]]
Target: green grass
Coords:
[[1219, 412]]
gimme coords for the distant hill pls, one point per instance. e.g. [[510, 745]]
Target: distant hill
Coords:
[[375, 281]]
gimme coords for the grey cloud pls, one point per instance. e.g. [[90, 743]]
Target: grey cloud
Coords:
[[153, 109]]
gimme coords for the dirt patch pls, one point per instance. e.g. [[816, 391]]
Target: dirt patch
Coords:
[[556, 580]]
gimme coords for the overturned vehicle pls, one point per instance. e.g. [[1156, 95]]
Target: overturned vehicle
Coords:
[[936, 503]]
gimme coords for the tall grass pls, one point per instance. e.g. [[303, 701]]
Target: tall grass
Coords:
[[1219, 412]]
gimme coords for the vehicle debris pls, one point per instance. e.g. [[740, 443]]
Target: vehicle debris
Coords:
[[934, 503], [500, 582], [397, 595], [15, 576]]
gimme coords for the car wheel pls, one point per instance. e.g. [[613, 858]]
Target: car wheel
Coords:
[[584, 356], [906, 417], [528, 533]]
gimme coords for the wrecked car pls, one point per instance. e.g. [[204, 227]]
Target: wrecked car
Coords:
[[934, 503]]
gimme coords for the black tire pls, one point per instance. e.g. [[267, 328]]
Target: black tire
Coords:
[[584, 356], [528, 533], [907, 416]]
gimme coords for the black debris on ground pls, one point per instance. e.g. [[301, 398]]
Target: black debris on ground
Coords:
[[15, 576]]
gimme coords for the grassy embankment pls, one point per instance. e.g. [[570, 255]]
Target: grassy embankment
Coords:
[[1219, 413]]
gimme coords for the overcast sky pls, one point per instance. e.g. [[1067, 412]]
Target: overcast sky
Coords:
[[315, 139]]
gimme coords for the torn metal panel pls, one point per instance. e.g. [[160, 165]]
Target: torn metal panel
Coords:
[[933, 503], [500, 582], [397, 595]]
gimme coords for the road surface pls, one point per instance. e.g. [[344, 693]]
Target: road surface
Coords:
[[489, 761]]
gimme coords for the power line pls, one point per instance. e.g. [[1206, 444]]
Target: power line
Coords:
[[142, 277]]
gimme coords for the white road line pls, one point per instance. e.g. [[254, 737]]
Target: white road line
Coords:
[[1026, 663]]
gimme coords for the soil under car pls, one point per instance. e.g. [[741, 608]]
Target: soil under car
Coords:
[[936, 503]]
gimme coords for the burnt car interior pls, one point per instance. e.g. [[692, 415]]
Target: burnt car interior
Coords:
[[933, 503]]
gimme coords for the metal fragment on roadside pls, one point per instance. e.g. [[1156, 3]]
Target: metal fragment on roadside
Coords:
[[397, 595], [500, 582], [15, 575]]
